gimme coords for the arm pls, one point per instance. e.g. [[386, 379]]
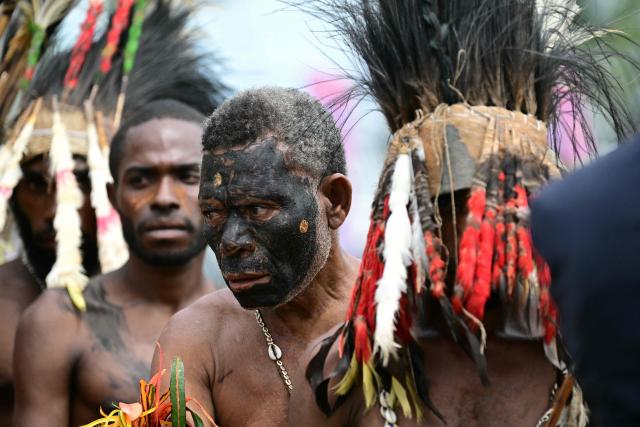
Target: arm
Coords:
[[9, 314], [182, 337], [43, 362]]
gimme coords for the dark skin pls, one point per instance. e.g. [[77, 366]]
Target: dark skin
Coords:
[[97, 358], [255, 211], [520, 374], [34, 206]]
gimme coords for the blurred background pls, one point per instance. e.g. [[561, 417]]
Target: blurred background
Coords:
[[263, 42]]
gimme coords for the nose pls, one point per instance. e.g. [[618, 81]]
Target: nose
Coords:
[[165, 198], [49, 207], [236, 240]]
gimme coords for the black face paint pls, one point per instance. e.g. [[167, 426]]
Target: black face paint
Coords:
[[254, 206]]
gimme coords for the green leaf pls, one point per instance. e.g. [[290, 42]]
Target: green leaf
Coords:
[[197, 421], [177, 395]]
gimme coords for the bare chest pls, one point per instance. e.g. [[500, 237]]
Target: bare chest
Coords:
[[113, 356], [104, 378], [519, 392], [248, 388]]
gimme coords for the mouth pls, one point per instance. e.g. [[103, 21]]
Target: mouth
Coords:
[[47, 241], [240, 282], [166, 230]]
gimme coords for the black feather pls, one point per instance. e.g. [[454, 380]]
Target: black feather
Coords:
[[167, 66], [417, 54]]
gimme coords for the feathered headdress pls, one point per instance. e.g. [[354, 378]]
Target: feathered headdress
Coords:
[[75, 101], [472, 91]]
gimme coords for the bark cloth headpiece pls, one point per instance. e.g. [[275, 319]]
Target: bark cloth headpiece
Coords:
[[59, 104], [472, 91]]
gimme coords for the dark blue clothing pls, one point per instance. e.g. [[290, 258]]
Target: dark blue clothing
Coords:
[[587, 227]]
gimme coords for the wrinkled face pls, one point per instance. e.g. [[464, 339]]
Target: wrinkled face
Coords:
[[264, 220], [34, 203], [156, 191]]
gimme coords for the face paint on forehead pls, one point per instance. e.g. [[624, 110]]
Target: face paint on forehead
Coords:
[[283, 246], [251, 168]]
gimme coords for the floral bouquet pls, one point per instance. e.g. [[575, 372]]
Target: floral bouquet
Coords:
[[157, 409]]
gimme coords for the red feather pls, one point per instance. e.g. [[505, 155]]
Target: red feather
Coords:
[[499, 256], [118, 23], [511, 248], [83, 44], [482, 287], [361, 341], [341, 343], [468, 250], [436, 265], [404, 321], [548, 310], [525, 251]]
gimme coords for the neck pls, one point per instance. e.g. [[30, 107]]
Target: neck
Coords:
[[323, 302], [37, 277], [175, 286]]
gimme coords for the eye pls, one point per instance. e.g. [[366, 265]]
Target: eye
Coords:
[[260, 212], [257, 210], [214, 215], [37, 184], [138, 181], [190, 177]]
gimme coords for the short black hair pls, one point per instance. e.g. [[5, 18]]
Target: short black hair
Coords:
[[162, 109], [296, 118]]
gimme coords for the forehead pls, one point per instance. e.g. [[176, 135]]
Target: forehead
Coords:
[[261, 167], [162, 141], [41, 164]]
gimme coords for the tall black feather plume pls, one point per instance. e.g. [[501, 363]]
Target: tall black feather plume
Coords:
[[524, 55], [167, 66]]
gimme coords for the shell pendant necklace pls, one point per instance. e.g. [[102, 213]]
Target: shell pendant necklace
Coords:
[[274, 353]]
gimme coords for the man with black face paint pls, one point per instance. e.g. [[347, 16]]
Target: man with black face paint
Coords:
[[273, 194], [96, 358]]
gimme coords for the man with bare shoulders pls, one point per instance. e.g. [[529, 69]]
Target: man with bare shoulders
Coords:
[[273, 193], [73, 363], [33, 205]]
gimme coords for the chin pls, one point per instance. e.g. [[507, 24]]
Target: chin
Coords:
[[250, 301]]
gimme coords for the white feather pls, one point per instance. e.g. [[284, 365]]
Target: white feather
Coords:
[[11, 156], [551, 351], [112, 249], [418, 250], [67, 270], [397, 257]]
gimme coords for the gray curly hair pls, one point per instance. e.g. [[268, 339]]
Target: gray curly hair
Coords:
[[297, 119]]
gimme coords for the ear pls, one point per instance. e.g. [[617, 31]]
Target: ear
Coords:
[[111, 192], [336, 189]]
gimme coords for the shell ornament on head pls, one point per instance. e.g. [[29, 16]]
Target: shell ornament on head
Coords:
[[471, 90], [61, 104]]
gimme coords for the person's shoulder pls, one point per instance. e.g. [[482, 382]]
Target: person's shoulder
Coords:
[[15, 282], [51, 305], [205, 317], [214, 305], [51, 318]]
